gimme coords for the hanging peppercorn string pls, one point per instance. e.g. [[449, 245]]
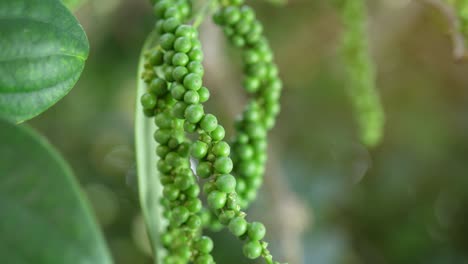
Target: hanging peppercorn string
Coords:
[[175, 97], [262, 83]]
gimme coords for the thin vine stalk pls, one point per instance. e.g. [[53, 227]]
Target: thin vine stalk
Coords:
[[149, 186], [206, 10]]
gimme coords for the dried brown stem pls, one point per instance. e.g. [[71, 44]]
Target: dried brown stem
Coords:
[[458, 40]]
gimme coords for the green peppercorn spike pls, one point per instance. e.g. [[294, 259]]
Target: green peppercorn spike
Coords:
[[179, 110]]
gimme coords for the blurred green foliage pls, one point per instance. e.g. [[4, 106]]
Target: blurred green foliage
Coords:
[[360, 71], [402, 202]]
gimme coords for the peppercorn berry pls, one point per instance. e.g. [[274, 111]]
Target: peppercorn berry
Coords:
[[209, 123], [204, 244], [199, 149], [252, 249], [192, 81], [223, 165], [182, 44], [148, 101], [226, 183], [238, 226], [256, 231], [221, 149], [180, 214], [194, 113], [217, 199], [191, 97], [204, 169]]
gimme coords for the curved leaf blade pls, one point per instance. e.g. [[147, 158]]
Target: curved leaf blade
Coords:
[[43, 52], [149, 186], [43, 216], [73, 4]]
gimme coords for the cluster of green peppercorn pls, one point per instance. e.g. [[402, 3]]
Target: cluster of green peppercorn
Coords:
[[261, 81], [174, 97]]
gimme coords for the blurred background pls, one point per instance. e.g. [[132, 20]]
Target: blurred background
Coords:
[[327, 199]]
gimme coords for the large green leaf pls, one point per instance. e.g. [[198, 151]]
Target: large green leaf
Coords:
[[43, 217], [42, 54], [149, 187], [73, 4]]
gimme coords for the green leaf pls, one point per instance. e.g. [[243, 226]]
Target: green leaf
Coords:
[[149, 186], [43, 52], [73, 4], [43, 216]]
